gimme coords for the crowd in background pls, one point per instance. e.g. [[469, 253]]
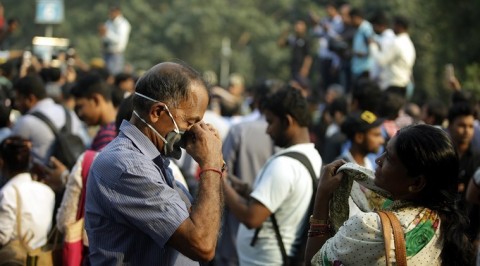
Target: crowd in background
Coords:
[[354, 71]]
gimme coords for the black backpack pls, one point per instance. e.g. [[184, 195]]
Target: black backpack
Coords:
[[67, 146], [299, 257]]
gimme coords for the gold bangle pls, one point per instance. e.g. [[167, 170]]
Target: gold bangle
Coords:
[[318, 221]]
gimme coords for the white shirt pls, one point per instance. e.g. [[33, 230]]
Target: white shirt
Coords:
[[397, 61], [38, 201], [218, 123], [285, 188], [117, 34], [35, 130], [384, 40], [335, 26]]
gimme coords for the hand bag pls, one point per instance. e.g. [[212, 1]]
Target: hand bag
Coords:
[[15, 251], [74, 233], [48, 255]]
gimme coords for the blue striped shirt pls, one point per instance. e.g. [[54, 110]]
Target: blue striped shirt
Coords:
[[133, 205]]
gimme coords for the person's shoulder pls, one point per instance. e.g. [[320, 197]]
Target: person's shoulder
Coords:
[[122, 153], [283, 160], [42, 188], [303, 148], [364, 221], [25, 122]]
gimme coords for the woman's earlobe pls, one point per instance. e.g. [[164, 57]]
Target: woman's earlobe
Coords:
[[418, 185]]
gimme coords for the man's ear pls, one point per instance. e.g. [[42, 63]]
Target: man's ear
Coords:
[[359, 137], [288, 120], [97, 99], [31, 100], [156, 110]]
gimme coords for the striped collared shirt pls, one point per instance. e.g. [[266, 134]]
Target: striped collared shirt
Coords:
[[133, 205]]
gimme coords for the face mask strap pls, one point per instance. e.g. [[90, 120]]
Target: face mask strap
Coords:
[[146, 97], [150, 126], [177, 130]]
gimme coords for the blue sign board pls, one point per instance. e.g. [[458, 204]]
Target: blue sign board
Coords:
[[49, 12]]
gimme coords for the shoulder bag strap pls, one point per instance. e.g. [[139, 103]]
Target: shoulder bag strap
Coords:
[[87, 162], [302, 158], [279, 238], [390, 222], [23, 239], [399, 239], [47, 121], [18, 212], [387, 232]]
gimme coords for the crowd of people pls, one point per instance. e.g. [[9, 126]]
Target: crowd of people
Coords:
[[176, 170]]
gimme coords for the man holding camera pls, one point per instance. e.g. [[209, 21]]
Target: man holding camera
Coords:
[[135, 213]]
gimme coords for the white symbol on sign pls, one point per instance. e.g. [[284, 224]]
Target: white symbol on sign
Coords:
[[49, 12]]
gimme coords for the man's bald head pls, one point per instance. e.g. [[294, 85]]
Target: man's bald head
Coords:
[[167, 82]]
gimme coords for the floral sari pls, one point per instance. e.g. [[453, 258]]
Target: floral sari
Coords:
[[360, 240]]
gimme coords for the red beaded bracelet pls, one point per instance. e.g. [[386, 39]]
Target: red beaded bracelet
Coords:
[[211, 169]]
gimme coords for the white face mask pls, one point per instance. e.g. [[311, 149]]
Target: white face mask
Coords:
[[173, 141]]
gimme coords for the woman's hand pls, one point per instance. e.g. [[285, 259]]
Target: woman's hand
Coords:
[[329, 179]]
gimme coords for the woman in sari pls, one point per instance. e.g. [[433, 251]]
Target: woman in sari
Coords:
[[419, 172]]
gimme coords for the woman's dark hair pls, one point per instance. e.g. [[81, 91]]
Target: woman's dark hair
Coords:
[[428, 151], [15, 152], [289, 101]]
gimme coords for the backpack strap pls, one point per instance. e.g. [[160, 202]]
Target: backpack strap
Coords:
[[87, 162], [279, 238], [306, 162], [47, 121], [68, 121]]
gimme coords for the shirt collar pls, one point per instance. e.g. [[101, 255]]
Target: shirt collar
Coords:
[[143, 143]]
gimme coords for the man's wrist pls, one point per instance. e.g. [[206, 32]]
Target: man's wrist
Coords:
[[214, 170]]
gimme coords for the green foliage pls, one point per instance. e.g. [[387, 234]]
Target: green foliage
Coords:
[[472, 80], [443, 31]]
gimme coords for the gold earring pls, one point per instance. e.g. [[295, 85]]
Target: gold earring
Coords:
[[410, 189]]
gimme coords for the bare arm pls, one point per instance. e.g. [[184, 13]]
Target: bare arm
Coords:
[[307, 63], [321, 211], [252, 214], [197, 236]]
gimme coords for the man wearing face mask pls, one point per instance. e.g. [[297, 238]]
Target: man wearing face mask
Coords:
[[135, 213]]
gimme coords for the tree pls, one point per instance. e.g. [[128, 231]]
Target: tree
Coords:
[[192, 31]]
